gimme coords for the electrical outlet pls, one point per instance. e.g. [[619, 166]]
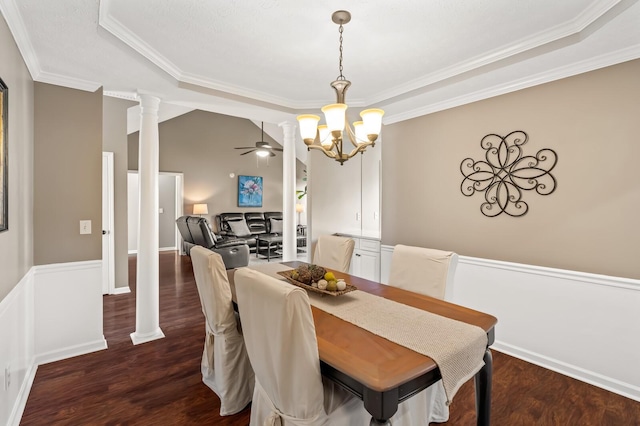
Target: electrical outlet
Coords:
[[85, 227], [7, 377]]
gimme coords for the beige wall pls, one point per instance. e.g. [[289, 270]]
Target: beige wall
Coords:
[[114, 139], [16, 244], [201, 145], [590, 223], [67, 174]]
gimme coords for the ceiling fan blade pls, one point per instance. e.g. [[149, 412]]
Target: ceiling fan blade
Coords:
[[245, 147], [248, 152], [271, 154], [277, 149]]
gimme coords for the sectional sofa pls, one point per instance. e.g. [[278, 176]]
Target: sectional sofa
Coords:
[[248, 225]]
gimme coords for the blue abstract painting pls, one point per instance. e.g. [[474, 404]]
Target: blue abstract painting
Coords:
[[249, 191]]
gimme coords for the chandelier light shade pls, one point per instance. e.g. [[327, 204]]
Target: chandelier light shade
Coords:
[[329, 137]]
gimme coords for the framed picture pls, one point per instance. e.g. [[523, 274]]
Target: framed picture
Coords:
[[4, 143], [249, 191]]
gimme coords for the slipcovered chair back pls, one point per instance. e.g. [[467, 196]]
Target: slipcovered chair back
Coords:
[[334, 252], [429, 272], [281, 341], [225, 364], [422, 270]]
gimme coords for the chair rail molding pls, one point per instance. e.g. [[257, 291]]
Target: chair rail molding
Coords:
[[556, 318]]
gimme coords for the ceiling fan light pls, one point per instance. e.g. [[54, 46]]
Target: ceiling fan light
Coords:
[[262, 152], [372, 119], [334, 115], [308, 125]]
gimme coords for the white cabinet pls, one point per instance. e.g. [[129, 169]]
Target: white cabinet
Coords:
[[365, 262]]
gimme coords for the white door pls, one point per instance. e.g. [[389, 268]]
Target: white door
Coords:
[[108, 241]]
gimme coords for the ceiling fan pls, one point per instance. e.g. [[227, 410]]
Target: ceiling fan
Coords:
[[262, 148]]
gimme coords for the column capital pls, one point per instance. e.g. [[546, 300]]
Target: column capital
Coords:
[[288, 126], [148, 103]]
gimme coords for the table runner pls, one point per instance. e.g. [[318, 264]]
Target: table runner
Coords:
[[456, 347]]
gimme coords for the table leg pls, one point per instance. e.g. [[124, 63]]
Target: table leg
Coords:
[[483, 390], [381, 405], [269, 251], [257, 247]]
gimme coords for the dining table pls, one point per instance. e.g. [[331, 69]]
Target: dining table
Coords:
[[383, 373]]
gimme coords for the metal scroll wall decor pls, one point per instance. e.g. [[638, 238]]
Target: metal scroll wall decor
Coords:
[[506, 172]]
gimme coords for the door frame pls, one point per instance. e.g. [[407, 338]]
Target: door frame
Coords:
[[108, 231], [179, 206]]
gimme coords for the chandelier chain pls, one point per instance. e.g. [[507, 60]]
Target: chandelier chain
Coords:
[[340, 77]]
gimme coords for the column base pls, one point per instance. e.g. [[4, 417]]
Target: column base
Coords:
[[138, 338]]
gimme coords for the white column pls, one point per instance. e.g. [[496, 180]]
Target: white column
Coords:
[[147, 274], [289, 249]]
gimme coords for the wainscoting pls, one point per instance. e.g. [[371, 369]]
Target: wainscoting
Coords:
[[53, 313], [585, 326]]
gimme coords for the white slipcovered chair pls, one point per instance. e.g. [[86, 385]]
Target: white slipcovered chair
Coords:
[[280, 337], [334, 252], [429, 272], [225, 366], [423, 270]]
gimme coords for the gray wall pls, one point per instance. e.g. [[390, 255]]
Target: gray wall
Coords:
[[16, 244], [590, 223], [201, 145], [114, 139], [166, 202], [167, 219], [67, 174]]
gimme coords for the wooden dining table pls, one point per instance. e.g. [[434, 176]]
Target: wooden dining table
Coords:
[[383, 373]]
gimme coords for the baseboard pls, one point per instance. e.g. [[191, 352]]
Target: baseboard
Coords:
[[121, 290], [595, 379], [71, 351], [23, 395], [160, 249], [552, 317]]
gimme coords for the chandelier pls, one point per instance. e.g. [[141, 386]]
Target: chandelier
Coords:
[[329, 137]]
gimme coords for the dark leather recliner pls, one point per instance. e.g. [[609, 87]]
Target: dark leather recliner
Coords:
[[267, 219], [255, 224], [196, 231]]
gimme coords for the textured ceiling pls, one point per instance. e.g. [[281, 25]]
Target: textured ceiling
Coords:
[[271, 59]]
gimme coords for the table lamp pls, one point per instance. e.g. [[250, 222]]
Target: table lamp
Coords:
[[200, 209], [299, 209]]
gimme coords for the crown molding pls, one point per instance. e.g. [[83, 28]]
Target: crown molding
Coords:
[[115, 27], [568, 29], [14, 20], [129, 96], [592, 64], [66, 81], [223, 87]]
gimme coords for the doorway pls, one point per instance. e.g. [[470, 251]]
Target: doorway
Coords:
[[170, 196]]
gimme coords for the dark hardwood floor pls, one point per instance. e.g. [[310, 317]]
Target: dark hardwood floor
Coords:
[[159, 383]]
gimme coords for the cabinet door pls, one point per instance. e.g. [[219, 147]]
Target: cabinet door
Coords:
[[366, 264]]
